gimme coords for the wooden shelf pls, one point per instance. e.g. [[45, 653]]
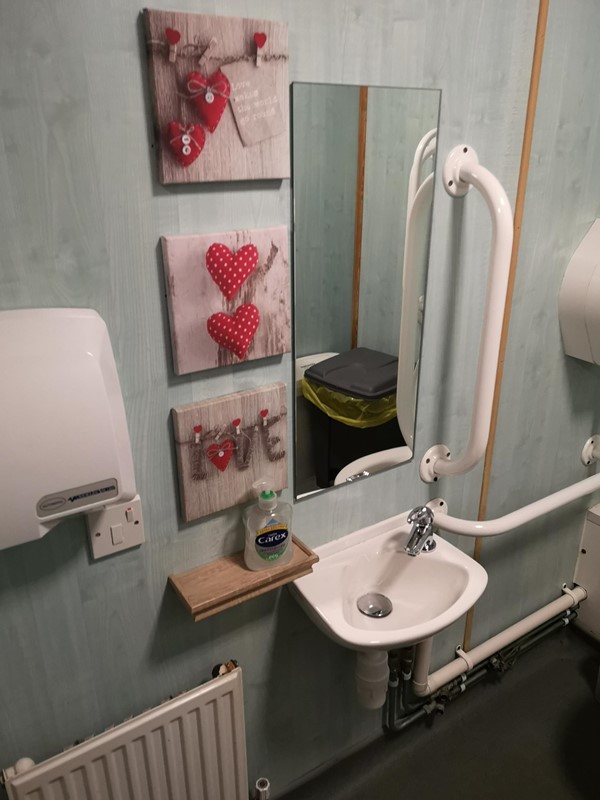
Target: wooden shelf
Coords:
[[224, 583]]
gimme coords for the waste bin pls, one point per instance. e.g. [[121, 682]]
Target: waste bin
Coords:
[[353, 409]]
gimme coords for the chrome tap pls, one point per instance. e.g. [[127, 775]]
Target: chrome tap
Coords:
[[421, 535]]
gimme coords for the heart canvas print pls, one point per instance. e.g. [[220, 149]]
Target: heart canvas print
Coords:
[[228, 297], [225, 444], [220, 96]]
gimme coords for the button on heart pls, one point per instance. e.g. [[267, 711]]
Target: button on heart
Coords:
[[235, 333], [209, 96], [229, 270], [220, 453], [185, 142]]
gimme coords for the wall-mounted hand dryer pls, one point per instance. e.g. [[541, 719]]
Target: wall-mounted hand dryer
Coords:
[[64, 443], [579, 300]]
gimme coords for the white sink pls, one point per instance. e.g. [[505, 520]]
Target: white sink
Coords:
[[428, 592]]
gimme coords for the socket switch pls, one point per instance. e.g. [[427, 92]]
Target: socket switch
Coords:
[[116, 528]]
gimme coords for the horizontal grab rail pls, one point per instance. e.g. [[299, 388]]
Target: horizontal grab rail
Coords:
[[494, 527], [461, 171]]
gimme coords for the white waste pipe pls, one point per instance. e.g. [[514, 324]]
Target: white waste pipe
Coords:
[[494, 527], [372, 676], [461, 171], [425, 684]]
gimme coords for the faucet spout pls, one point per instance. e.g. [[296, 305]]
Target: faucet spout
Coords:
[[421, 536]]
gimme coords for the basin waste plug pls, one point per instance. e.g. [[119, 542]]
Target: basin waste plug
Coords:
[[268, 529]]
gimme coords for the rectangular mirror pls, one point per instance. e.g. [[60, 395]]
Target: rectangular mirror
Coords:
[[363, 161]]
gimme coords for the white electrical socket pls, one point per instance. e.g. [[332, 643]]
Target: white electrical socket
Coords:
[[116, 528]]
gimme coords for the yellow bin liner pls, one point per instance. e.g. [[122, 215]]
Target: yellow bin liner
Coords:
[[354, 411]]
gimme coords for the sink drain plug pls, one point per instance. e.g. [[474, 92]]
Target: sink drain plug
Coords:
[[373, 604]]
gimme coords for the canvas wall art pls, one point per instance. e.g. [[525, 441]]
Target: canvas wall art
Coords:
[[228, 297], [225, 444], [220, 96]]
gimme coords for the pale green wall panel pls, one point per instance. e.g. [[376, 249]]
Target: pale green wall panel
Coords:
[[86, 644], [325, 141], [396, 123], [549, 402]]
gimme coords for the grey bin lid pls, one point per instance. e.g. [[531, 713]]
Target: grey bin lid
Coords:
[[362, 373]]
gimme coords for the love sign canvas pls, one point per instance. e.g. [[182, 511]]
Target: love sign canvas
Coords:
[[220, 96], [228, 297], [225, 444]]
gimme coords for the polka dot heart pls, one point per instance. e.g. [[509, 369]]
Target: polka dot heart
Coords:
[[237, 332], [229, 270]]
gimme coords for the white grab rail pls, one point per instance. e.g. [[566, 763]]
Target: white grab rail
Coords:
[[424, 150], [494, 527], [461, 171], [419, 201], [415, 254]]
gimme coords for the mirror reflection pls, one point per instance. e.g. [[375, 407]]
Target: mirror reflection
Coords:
[[363, 160]]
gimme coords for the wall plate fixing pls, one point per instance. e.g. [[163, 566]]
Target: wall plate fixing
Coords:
[[427, 466], [591, 450], [115, 528], [438, 505], [459, 156]]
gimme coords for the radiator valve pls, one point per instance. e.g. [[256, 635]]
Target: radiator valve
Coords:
[[22, 765], [262, 790]]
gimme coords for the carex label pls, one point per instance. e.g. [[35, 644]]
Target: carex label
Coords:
[[271, 540]]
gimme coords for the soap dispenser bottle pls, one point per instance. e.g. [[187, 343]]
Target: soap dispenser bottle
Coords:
[[268, 529]]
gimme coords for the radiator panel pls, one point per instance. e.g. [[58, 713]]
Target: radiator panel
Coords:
[[189, 748]]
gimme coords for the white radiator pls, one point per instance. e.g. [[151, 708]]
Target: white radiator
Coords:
[[190, 748]]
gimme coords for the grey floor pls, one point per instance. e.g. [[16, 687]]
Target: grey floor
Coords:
[[531, 734]]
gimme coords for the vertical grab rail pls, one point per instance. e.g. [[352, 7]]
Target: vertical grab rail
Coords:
[[408, 349], [419, 200], [461, 171]]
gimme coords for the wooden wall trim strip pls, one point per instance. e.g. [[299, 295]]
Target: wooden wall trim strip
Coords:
[[536, 69], [358, 214]]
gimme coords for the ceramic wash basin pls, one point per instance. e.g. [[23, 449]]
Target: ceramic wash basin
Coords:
[[428, 592]]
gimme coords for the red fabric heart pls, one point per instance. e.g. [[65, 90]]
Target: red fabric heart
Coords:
[[172, 35], [197, 428], [209, 96], [220, 454], [235, 333], [186, 143], [260, 39], [264, 413], [229, 270], [236, 422]]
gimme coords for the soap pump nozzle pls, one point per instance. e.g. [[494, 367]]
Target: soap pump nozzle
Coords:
[[263, 489]]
